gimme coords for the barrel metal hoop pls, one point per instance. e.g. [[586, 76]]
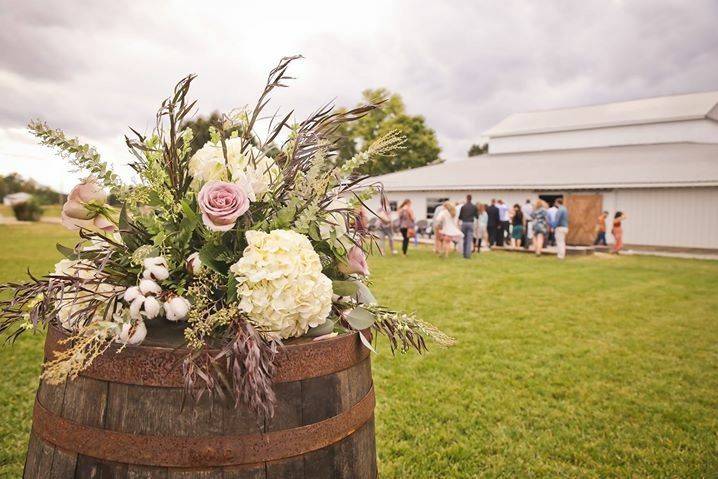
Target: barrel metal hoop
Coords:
[[200, 451], [162, 366]]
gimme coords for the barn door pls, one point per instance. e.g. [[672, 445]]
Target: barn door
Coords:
[[583, 212]]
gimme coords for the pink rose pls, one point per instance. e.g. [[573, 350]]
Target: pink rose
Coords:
[[221, 204], [356, 262], [75, 213]]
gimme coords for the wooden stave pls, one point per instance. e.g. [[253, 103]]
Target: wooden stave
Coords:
[[352, 456]]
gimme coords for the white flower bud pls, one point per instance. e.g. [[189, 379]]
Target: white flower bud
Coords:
[[151, 307], [147, 286], [177, 308], [128, 336], [193, 263], [131, 293]]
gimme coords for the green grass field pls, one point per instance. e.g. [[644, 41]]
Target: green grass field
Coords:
[[595, 367]]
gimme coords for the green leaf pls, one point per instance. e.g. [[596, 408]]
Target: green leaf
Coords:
[[285, 216], [360, 318], [68, 253], [344, 288], [322, 329], [314, 232], [191, 216], [209, 254], [231, 288], [127, 231]]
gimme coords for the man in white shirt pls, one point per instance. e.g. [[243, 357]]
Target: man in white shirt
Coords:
[[503, 221], [552, 224], [527, 208]]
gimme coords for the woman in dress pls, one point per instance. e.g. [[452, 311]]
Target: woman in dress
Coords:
[[540, 225], [447, 223], [617, 231], [480, 226], [406, 222], [386, 231], [517, 230]]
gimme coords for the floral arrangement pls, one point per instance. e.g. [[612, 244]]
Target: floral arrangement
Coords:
[[246, 244]]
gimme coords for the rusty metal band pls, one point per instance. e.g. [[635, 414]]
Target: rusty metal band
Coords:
[[162, 366], [201, 451]]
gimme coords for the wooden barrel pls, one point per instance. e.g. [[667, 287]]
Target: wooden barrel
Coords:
[[126, 417]]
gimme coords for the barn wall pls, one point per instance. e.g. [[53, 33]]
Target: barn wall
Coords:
[[698, 131], [681, 217]]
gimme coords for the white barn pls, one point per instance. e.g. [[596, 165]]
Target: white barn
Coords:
[[655, 159]]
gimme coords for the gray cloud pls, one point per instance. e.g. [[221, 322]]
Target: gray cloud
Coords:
[[94, 68]]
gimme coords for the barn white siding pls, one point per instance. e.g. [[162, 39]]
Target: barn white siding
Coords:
[[682, 217], [694, 131]]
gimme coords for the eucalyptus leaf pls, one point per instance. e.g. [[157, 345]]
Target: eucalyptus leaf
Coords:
[[360, 318], [364, 295], [344, 288], [366, 343], [322, 329]]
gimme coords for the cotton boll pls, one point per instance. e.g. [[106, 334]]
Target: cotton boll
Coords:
[[151, 307], [128, 336], [156, 268], [131, 294], [147, 286], [177, 308], [136, 306]]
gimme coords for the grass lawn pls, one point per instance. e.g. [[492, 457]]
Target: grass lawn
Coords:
[[594, 367]]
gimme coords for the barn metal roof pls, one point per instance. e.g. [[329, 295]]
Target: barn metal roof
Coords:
[[639, 166], [650, 110]]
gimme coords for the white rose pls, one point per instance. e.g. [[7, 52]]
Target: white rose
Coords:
[[207, 164]]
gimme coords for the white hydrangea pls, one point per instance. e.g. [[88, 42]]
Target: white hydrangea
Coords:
[[251, 168], [280, 283], [73, 301]]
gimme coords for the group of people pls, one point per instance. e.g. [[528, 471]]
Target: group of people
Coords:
[[517, 226], [471, 225]]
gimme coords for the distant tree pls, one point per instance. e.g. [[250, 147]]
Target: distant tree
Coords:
[[421, 148], [477, 150], [14, 183]]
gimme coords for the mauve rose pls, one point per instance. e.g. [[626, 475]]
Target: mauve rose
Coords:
[[221, 204], [76, 215], [356, 262]]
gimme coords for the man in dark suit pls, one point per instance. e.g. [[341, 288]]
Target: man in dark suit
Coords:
[[493, 223]]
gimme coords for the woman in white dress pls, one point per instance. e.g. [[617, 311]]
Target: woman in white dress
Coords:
[[447, 228]]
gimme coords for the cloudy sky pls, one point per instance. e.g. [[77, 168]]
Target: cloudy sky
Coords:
[[93, 68]]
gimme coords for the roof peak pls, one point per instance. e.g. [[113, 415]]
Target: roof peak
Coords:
[[677, 107]]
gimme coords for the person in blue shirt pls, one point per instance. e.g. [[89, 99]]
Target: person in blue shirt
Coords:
[[561, 228]]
